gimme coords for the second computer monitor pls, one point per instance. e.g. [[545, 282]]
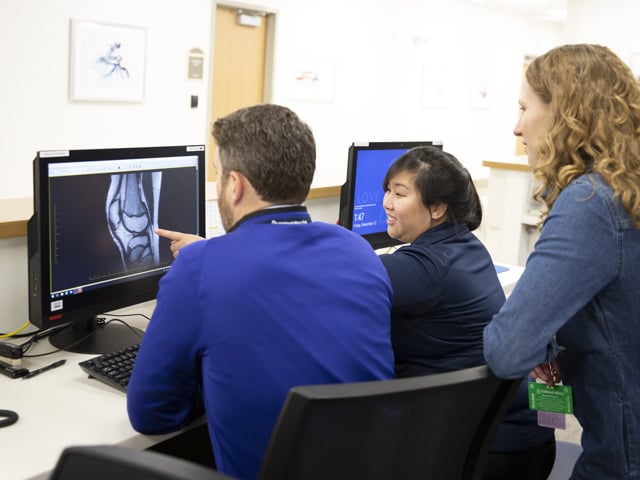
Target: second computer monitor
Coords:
[[362, 194]]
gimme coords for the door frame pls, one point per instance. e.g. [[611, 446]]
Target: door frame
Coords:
[[271, 21]]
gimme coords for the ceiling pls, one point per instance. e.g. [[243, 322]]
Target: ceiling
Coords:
[[539, 10]]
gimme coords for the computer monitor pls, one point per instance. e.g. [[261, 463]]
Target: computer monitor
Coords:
[[91, 241], [362, 194]]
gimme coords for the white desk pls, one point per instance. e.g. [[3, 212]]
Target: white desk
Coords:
[[509, 277], [63, 407]]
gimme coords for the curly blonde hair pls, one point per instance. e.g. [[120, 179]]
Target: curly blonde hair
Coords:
[[595, 102]]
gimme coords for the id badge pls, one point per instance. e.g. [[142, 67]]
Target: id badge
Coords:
[[557, 399], [552, 403]]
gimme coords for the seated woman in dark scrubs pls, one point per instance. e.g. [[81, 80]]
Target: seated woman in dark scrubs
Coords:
[[446, 290]]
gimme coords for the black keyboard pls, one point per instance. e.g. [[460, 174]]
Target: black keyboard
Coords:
[[113, 368]]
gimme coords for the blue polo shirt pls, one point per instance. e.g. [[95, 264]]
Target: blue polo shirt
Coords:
[[279, 301]]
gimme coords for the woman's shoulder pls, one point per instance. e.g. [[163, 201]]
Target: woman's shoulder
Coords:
[[414, 254], [588, 188], [441, 247], [589, 195], [588, 182]]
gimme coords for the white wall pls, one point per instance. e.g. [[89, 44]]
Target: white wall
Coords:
[[36, 113], [381, 48], [613, 23], [378, 48], [13, 283]]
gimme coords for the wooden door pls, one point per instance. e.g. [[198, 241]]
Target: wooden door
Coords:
[[239, 59]]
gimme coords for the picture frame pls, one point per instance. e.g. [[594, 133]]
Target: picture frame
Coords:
[[482, 89], [312, 79], [434, 89], [107, 62]]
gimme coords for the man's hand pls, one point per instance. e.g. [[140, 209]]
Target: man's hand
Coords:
[[178, 239]]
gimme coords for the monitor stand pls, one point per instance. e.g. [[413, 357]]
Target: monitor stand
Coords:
[[94, 336]]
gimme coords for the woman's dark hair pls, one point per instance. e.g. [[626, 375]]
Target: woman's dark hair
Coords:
[[441, 178]]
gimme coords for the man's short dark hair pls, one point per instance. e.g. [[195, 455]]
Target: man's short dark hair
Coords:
[[272, 147]]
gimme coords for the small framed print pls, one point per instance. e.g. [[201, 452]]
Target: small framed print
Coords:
[[107, 62]]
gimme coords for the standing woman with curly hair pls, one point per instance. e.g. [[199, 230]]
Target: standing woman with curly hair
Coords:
[[576, 308]]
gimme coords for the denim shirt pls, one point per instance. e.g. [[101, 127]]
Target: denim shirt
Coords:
[[582, 284]]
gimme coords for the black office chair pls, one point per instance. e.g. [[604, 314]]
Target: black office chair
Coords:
[[108, 462], [437, 426]]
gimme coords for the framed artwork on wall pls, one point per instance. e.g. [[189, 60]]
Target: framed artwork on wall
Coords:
[[434, 87], [482, 87], [312, 79], [107, 62]]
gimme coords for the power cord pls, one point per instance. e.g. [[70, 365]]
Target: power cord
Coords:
[[7, 417], [15, 332], [9, 351], [102, 323]]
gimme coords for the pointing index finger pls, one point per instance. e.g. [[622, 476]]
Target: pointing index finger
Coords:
[[170, 234]]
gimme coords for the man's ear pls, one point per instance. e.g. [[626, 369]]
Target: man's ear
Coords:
[[236, 186], [438, 211]]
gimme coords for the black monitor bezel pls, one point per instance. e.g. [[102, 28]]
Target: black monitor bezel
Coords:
[[347, 191], [110, 297]]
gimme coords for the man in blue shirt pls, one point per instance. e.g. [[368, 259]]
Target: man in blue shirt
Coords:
[[278, 301]]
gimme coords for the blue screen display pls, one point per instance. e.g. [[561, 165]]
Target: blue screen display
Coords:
[[372, 165]]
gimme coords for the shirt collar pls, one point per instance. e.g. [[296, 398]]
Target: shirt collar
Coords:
[[276, 214], [442, 232]]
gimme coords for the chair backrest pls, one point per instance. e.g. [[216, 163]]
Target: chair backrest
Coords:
[[108, 462], [436, 426]]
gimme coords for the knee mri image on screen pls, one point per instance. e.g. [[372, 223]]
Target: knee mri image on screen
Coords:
[[102, 223], [132, 217]]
